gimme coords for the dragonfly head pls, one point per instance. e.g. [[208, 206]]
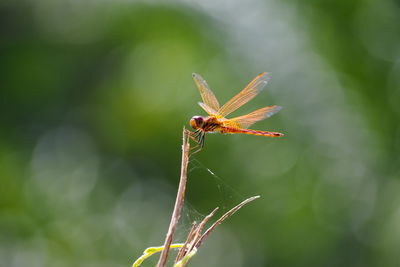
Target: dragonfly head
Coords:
[[197, 122]]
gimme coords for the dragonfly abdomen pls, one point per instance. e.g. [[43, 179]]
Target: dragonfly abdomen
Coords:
[[251, 132]]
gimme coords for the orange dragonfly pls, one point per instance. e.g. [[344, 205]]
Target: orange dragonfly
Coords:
[[216, 121]]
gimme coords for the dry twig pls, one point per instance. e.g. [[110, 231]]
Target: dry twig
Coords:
[[179, 200], [184, 249], [195, 237], [220, 220]]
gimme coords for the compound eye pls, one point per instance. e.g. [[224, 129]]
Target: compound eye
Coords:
[[199, 120], [196, 122]]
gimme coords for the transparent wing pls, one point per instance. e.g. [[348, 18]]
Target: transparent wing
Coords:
[[206, 94], [248, 93], [258, 115], [208, 109]]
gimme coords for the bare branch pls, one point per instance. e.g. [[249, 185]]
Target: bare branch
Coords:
[[189, 238], [179, 200], [200, 229], [220, 220]]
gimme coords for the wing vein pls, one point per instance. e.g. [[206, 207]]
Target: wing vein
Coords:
[[247, 120], [248, 93], [207, 95]]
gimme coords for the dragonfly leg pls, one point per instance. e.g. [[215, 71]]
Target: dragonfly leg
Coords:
[[198, 138], [192, 135], [195, 149]]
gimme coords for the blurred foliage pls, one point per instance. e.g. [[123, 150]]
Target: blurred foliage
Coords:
[[94, 95]]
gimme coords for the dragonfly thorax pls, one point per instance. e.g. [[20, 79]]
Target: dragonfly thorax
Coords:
[[197, 122]]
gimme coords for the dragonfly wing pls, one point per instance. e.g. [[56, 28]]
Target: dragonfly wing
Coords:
[[208, 109], [206, 94], [260, 114], [248, 93]]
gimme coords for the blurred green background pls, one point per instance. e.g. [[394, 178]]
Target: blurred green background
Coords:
[[94, 95]]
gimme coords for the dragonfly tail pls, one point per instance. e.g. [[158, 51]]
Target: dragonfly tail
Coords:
[[255, 132]]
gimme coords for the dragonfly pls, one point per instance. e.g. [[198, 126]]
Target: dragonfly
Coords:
[[217, 121]]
